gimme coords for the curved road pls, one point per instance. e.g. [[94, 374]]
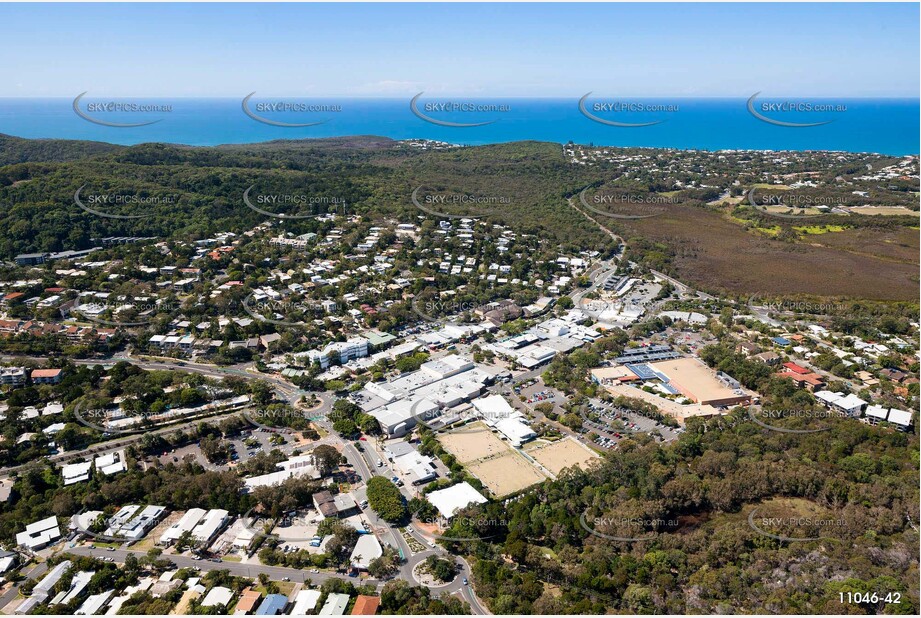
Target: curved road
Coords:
[[292, 395]]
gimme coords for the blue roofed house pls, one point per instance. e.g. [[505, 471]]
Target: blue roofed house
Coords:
[[272, 605]]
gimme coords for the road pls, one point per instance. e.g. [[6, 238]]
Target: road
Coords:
[[285, 390], [681, 287], [364, 463], [35, 572], [276, 573], [677, 284], [290, 393]]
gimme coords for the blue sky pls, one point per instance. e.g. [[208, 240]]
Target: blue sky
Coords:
[[542, 50]]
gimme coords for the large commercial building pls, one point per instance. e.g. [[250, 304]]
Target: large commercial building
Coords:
[[367, 548], [339, 352], [301, 465], [693, 379], [209, 526], [850, 404], [437, 385]]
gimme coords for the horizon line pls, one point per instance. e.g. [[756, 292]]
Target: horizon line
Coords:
[[525, 97]]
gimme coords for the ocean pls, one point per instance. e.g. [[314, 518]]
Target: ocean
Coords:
[[886, 126]]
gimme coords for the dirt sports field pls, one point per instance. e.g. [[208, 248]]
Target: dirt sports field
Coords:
[[502, 469], [505, 474], [469, 445], [555, 456]]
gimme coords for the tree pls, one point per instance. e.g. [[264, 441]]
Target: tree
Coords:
[[441, 569], [386, 565], [386, 500], [345, 428], [214, 450], [326, 458]]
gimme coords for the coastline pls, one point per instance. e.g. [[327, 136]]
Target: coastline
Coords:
[[885, 126], [331, 138]]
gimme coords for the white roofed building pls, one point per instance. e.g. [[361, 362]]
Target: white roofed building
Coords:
[[219, 595], [850, 404], [305, 602], [451, 500], [76, 473], [367, 548], [900, 418], [111, 463], [209, 526], [186, 523], [39, 534]]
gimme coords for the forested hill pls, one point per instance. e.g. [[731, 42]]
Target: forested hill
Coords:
[[19, 150], [202, 188], [702, 230], [847, 498]]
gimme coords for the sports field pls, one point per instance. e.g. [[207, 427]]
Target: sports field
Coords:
[[502, 469], [561, 454], [472, 442], [506, 473]]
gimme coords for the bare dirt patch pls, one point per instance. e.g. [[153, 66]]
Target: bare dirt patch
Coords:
[[556, 456], [506, 474], [468, 445]]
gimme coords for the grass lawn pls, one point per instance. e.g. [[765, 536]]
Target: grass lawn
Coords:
[[284, 588], [818, 229]]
